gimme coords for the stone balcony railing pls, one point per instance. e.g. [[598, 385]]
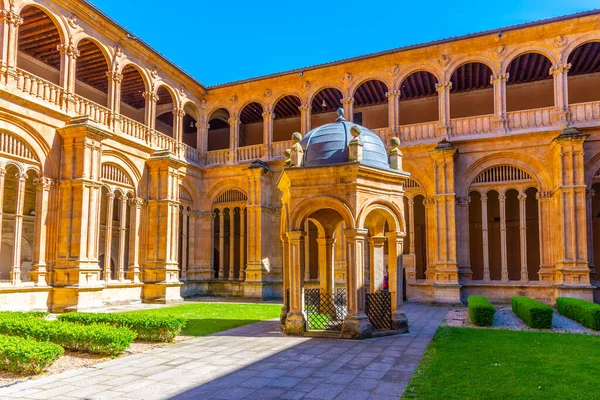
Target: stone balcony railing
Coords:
[[41, 91]]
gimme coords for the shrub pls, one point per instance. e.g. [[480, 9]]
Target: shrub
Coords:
[[584, 312], [101, 339], [147, 327], [534, 313], [481, 311], [26, 355], [23, 314]]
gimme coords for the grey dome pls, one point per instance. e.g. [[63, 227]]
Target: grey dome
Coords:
[[328, 145]]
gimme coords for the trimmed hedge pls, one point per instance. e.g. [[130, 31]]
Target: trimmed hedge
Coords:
[[481, 311], [534, 313], [26, 355], [584, 312], [147, 327], [24, 314], [101, 339]]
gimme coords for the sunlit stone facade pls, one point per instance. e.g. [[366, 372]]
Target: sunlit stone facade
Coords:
[[123, 179]]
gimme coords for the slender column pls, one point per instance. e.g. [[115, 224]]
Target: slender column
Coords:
[[10, 37], [295, 322], [395, 243], [202, 135], [68, 59], [326, 257], [376, 261], [503, 255], [589, 195], [15, 271], [213, 221], [234, 136], [184, 244], [242, 243], [38, 268], [150, 109], [178, 114], [221, 243], [462, 233], [122, 237], [443, 89], [523, 236], [267, 133], [393, 109], [133, 270], [348, 104], [231, 243], [500, 120], [485, 240], [356, 324], [306, 247], [411, 226], [108, 235], [561, 92], [2, 180], [305, 118], [114, 97]]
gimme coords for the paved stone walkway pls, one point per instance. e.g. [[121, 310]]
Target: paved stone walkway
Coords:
[[252, 362]]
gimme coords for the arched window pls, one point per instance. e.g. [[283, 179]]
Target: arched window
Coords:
[[90, 70], [371, 104], [251, 125], [287, 118], [229, 235], [218, 130], [529, 83], [418, 100], [190, 127], [415, 242], [165, 109], [324, 106], [471, 93], [38, 43], [133, 104], [584, 74]]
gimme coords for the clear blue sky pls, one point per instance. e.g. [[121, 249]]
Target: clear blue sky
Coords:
[[223, 41]]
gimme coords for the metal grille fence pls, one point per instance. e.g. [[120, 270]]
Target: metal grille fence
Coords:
[[378, 307], [325, 311]]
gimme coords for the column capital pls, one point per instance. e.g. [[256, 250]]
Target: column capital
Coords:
[[110, 194], [2, 171], [21, 176], [395, 236], [123, 198], [295, 235], [355, 233], [522, 196], [114, 76], [559, 68], [68, 49], [305, 107], [268, 115], [546, 195], [151, 96], [393, 94], [463, 201], [377, 241], [233, 121], [178, 112], [500, 78], [443, 86], [347, 100], [43, 183], [136, 202], [501, 197], [590, 193], [11, 17]]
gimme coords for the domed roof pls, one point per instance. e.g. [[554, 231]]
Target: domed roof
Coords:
[[328, 145]]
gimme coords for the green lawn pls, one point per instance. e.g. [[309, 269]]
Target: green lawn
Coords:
[[463, 363], [206, 318]]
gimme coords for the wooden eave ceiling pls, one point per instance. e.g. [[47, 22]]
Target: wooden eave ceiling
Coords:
[[38, 36]]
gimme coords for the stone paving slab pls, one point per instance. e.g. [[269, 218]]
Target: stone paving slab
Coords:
[[252, 362]]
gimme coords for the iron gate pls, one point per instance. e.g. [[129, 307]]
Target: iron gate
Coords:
[[325, 311], [378, 307]]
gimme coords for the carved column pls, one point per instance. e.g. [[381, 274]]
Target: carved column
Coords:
[[348, 104], [38, 265], [15, 271], [184, 243], [503, 249], [561, 93], [204, 246], [500, 120], [114, 98], [376, 262], [589, 195], [485, 238], [202, 135], [523, 236], [294, 321], [222, 244], [393, 109], [178, 114], [547, 219], [356, 324], [443, 89], [395, 242], [267, 134], [122, 236], [305, 118], [234, 136], [231, 244], [108, 235], [411, 270], [133, 270], [326, 257], [161, 269], [306, 248], [150, 109], [572, 271], [9, 29], [68, 60], [2, 181], [76, 273], [242, 243], [446, 269], [432, 234], [462, 233]]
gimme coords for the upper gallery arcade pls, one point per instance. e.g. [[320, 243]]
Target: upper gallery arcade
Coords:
[[123, 179]]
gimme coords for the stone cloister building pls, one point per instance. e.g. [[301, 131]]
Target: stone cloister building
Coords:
[[123, 179]]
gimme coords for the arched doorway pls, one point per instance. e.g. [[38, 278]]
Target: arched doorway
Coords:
[[229, 235], [415, 242]]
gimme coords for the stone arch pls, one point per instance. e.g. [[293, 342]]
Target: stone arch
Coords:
[[230, 195], [521, 51], [211, 194], [592, 167], [286, 116], [142, 71], [454, 65], [383, 212], [247, 102], [535, 168], [114, 174], [422, 68], [575, 43], [117, 158], [359, 82], [309, 206], [217, 108], [185, 183], [78, 38], [63, 31], [312, 94]]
